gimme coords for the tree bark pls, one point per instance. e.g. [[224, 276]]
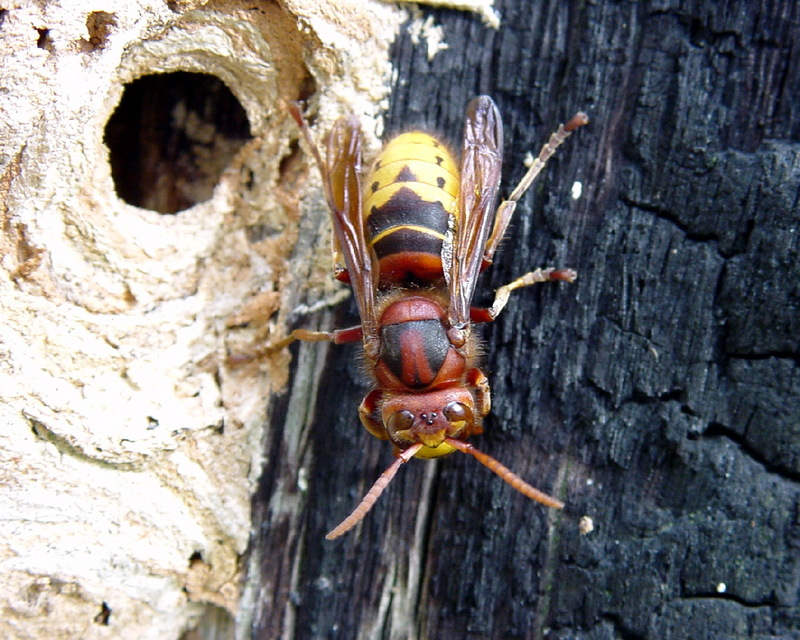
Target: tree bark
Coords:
[[147, 256], [658, 395]]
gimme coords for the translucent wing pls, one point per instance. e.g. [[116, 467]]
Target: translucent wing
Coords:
[[341, 175], [480, 179], [343, 190]]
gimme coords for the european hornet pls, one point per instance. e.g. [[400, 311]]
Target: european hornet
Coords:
[[414, 236]]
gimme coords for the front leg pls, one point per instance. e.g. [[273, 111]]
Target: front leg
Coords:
[[370, 415], [503, 293], [479, 384]]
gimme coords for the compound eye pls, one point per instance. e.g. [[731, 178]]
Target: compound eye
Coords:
[[458, 413], [399, 421]]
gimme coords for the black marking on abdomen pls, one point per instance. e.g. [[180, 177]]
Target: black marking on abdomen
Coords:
[[406, 175], [406, 207], [403, 239]]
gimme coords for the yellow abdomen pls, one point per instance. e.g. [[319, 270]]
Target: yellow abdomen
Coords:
[[410, 202]]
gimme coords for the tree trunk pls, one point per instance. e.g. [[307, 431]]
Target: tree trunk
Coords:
[[148, 260], [658, 395], [151, 246]]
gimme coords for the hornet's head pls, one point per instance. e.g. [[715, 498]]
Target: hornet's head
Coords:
[[428, 418]]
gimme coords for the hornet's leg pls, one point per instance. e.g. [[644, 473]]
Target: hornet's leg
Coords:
[[338, 336], [503, 293], [506, 209]]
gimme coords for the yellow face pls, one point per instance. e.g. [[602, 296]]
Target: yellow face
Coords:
[[429, 419], [430, 452]]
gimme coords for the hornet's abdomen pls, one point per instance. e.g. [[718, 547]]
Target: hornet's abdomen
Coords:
[[409, 198]]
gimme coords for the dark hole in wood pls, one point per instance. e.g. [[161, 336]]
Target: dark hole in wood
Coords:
[[171, 137], [44, 41], [104, 616]]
